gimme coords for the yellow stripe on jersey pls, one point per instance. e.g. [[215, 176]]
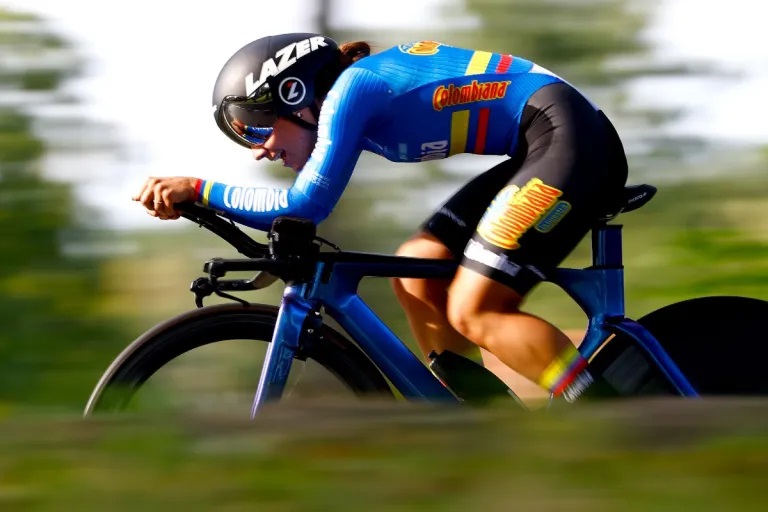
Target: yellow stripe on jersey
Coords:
[[207, 191], [478, 63], [459, 131]]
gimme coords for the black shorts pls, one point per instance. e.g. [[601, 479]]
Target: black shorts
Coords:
[[517, 221]]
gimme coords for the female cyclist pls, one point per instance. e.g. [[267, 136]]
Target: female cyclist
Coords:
[[315, 105]]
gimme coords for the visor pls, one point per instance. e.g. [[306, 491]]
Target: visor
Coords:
[[247, 120]]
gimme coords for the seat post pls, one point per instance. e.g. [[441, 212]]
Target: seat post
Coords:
[[606, 246]]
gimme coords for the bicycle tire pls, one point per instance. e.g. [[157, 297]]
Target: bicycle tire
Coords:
[[211, 324], [720, 344]]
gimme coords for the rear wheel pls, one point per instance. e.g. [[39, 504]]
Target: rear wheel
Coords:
[[160, 369], [720, 343]]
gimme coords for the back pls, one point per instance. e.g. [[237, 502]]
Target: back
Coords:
[[446, 100], [413, 102]]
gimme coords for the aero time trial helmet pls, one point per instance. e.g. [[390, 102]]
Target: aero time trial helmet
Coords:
[[273, 77]]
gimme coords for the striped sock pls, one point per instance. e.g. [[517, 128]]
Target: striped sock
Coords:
[[567, 375]]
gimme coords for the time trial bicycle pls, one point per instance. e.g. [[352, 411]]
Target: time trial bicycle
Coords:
[[712, 345]]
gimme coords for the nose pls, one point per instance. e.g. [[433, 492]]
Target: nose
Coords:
[[260, 152], [271, 154]]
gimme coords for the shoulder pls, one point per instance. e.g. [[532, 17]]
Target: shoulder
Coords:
[[357, 76]]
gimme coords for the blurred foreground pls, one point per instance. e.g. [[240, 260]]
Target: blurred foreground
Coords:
[[646, 456]]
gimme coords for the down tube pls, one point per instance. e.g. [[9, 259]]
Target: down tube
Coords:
[[406, 372]]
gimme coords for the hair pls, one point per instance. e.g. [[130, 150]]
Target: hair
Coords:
[[352, 52], [349, 53]]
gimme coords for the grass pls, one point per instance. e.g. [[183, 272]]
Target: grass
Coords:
[[661, 455]]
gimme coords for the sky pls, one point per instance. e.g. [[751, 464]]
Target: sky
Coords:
[[152, 66], [731, 34]]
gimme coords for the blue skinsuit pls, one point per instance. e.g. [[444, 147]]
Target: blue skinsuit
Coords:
[[410, 103]]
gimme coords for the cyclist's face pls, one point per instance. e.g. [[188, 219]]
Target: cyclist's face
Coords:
[[289, 142]]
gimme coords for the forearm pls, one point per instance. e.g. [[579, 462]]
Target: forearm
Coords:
[[257, 207]]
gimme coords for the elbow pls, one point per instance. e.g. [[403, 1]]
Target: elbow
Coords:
[[320, 214], [300, 205]]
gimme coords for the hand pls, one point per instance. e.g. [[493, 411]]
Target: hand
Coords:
[[158, 195], [238, 126]]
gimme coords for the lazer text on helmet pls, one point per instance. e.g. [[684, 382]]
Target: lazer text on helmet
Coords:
[[286, 56]]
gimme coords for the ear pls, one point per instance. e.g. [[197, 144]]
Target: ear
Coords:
[[315, 107], [311, 113]]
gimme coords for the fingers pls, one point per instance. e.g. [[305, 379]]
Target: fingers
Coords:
[[238, 126], [162, 201], [146, 195], [173, 216], [158, 196]]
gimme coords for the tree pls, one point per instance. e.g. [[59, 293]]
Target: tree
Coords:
[[599, 46], [53, 344]]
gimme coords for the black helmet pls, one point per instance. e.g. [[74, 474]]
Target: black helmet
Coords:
[[273, 77]]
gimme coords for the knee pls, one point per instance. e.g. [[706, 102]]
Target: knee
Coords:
[[400, 285], [476, 321], [464, 316], [421, 246], [475, 304]]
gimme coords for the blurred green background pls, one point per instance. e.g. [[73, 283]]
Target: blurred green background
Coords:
[[75, 289]]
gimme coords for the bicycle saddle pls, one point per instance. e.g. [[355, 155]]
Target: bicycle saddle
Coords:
[[634, 197]]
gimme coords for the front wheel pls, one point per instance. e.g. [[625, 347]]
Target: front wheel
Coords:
[[720, 343], [229, 331]]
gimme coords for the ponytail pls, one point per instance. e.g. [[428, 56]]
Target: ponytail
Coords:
[[349, 53], [352, 52]]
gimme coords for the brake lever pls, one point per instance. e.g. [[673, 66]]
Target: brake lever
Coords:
[[202, 288]]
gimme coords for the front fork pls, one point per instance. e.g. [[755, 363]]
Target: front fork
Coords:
[[297, 321]]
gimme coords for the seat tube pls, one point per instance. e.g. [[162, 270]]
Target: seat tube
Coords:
[[607, 258], [606, 246]]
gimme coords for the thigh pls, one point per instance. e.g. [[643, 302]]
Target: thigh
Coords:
[[424, 245], [572, 171]]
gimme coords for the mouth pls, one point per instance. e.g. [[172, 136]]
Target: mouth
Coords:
[[282, 157]]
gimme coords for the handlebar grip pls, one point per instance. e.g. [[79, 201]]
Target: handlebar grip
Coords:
[[235, 285], [259, 281], [194, 209], [218, 267]]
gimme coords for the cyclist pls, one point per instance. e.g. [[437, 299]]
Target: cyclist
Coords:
[[316, 106]]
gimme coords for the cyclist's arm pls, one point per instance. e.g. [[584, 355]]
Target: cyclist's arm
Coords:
[[355, 99]]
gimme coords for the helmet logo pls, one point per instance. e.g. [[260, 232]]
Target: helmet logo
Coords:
[[292, 91], [284, 58]]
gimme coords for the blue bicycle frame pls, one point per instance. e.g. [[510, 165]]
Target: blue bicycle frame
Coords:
[[598, 290]]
